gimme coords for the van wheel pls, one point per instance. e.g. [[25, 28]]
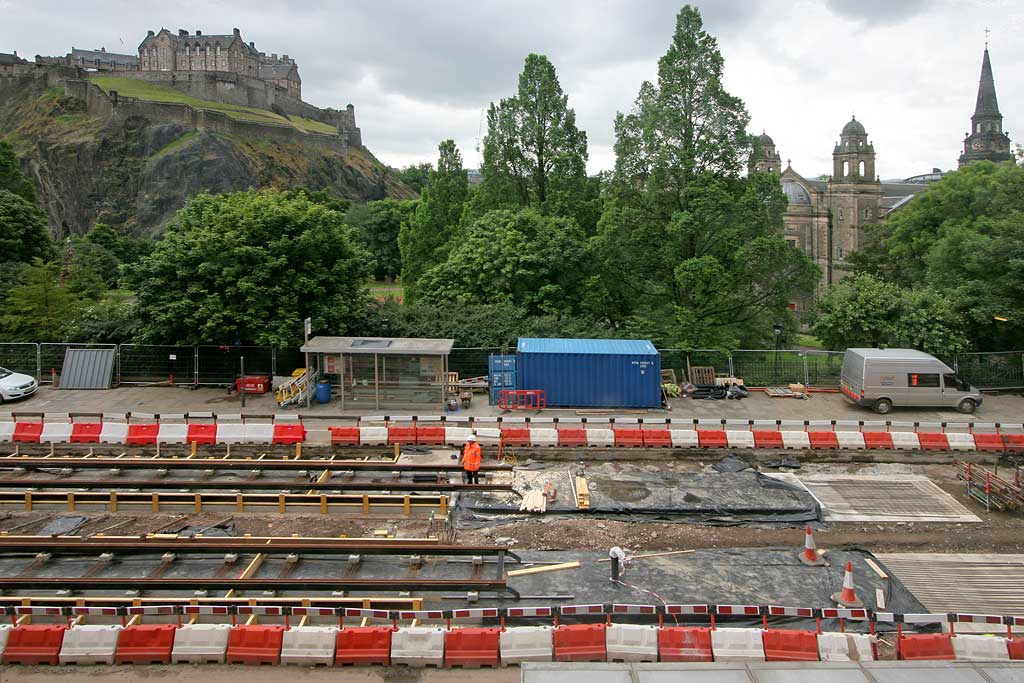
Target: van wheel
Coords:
[[967, 406], [883, 406]]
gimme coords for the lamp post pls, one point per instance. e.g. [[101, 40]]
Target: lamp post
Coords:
[[778, 344]]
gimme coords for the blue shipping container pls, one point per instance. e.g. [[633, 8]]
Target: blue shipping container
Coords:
[[591, 373], [501, 375]]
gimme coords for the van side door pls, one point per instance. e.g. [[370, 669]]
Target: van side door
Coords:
[[954, 389], [924, 389]]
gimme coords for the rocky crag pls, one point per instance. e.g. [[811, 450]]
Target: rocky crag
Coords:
[[134, 166]]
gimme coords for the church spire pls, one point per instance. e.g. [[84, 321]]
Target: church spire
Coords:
[[987, 104], [986, 140]]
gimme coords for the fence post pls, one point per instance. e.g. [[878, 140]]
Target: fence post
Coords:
[[732, 371], [195, 364], [273, 363], [117, 360], [39, 363], [807, 371]]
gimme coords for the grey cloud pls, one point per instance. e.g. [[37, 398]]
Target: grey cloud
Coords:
[[878, 11]]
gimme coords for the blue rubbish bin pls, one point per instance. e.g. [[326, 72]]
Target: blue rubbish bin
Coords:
[[323, 391]]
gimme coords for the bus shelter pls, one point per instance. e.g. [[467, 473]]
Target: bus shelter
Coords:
[[380, 372]]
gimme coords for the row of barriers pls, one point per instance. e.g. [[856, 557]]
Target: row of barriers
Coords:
[[78, 643], [148, 429]]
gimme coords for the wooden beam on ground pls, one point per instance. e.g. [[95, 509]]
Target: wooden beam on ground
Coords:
[[544, 569]]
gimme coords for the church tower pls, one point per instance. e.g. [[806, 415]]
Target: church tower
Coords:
[[853, 196], [986, 139], [765, 158]]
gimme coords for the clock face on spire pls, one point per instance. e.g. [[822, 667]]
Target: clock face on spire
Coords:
[[977, 145]]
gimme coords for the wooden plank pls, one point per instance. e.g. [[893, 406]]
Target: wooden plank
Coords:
[[544, 569], [664, 554], [878, 570], [582, 494]]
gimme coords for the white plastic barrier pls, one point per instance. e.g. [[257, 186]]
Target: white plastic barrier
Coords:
[[418, 646], [631, 643], [56, 432], [737, 645], [526, 644], [200, 644], [5, 632], [791, 439], [488, 435], [958, 441], [850, 440], [974, 648], [600, 437], [543, 437], [739, 438], [259, 433], [6, 431], [172, 433], [310, 645], [905, 441], [456, 436], [685, 438], [373, 436], [114, 432], [230, 433], [89, 644], [845, 647]]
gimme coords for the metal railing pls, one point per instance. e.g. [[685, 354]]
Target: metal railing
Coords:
[[219, 365]]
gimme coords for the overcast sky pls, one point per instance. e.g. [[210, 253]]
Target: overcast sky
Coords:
[[420, 71]]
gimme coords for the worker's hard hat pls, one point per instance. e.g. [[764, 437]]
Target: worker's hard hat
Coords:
[[471, 437]]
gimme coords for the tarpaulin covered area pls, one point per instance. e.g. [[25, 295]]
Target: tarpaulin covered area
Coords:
[[723, 498], [725, 576]]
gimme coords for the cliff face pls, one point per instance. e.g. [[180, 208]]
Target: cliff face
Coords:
[[136, 172]]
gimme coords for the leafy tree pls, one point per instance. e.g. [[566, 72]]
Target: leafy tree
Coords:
[[415, 176], [324, 197], [111, 320], [12, 178], [533, 153], [866, 311], [690, 252], [963, 237], [378, 224], [23, 230], [685, 125], [248, 267], [40, 308], [424, 237], [519, 258]]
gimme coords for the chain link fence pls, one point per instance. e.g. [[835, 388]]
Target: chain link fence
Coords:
[[219, 365]]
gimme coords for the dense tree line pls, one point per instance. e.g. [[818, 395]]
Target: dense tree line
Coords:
[[675, 243]]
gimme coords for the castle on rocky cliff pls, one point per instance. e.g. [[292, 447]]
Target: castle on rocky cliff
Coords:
[[164, 51]]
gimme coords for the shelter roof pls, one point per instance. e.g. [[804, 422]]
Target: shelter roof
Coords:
[[406, 346]]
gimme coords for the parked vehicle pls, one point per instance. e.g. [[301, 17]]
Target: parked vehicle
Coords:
[[16, 385], [883, 378]]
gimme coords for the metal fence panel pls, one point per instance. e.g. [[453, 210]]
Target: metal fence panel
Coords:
[[149, 364], [51, 358], [992, 370], [824, 368], [769, 368], [286, 361], [471, 362], [222, 364], [721, 361], [20, 357]]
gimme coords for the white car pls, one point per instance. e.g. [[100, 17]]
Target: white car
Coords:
[[15, 385]]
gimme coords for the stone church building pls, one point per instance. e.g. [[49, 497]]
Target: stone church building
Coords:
[[826, 216]]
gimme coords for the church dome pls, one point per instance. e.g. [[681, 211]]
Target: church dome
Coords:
[[854, 127], [796, 193], [764, 140]]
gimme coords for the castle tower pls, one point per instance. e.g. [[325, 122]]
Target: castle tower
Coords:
[[986, 140], [765, 158], [854, 195]]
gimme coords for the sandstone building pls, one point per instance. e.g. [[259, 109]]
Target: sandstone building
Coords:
[[163, 51]]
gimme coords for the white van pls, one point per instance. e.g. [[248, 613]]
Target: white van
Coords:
[[883, 378]]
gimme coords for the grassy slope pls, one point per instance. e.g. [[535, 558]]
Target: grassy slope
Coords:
[[144, 90]]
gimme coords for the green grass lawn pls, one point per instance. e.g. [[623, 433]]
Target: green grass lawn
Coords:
[[387, 290], [153, 92]]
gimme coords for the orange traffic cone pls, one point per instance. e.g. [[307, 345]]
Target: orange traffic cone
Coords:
[[810, 555], [848, 597]]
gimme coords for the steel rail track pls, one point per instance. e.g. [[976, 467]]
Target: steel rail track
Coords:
[[271, 583], [222, 463], [119, 485]]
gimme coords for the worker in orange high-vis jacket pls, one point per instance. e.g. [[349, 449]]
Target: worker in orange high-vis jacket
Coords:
[[471, 459]]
